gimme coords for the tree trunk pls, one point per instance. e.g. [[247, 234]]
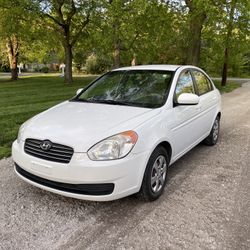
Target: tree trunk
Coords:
[[62, 14], [225, 67], [194, 44], [68, 54], [117, 54], [227, 43], [12, 46], [68, 62], [14, 69], [197, 17]]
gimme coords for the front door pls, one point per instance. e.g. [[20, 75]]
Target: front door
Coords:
[[185, 123]]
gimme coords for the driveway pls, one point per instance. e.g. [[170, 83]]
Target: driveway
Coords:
[[233, 79], [206, 203]]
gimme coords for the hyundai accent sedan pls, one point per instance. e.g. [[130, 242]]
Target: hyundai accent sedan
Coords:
[[119, 135]]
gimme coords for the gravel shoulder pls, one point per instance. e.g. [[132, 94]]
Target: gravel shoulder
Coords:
[[206, 203]]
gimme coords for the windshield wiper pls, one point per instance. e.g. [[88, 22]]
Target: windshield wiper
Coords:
[[80, 100], [113, 102], [110, 102]]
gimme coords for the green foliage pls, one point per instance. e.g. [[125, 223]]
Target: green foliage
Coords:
[[214, 38], [80, 57], [149, 31], [4, 67], [96, 65], [45, 69]]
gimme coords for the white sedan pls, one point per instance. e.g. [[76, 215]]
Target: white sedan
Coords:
[[119, 135]]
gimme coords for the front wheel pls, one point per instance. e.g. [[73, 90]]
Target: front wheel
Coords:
[[155, 175], [214, 133]]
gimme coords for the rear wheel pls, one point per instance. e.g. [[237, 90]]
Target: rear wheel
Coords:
[[214, 134], [155, 175]]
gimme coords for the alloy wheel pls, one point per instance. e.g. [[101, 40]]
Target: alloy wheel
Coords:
[[158, 174]]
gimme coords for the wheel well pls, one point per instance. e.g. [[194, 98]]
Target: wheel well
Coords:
[[168, 147]]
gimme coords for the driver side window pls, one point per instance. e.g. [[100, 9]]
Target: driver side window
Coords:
[[184, 84]]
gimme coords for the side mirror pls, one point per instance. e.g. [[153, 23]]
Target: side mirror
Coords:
[[78, 91], [188, 99]]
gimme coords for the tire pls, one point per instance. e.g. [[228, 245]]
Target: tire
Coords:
[[155, 175], [212, 138]]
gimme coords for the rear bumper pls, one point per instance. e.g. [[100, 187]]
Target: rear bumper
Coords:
[[82, 178]]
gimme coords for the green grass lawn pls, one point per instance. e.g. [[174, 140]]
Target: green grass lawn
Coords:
[[28, 96], [31, 95]]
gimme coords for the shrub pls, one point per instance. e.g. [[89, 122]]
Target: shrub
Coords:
[[4, 68], [36, 69], [96, 65], [44, 69]]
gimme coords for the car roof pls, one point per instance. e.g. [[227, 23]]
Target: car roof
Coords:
[[152, 67]]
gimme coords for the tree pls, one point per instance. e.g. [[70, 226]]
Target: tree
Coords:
[[68, 18], [13, 46], [119, 23], [197, 17], [9, 32], [16, 31], [133, 31], [215, 34], [236, 35], [161, 33], [202, 33], [227, 41]]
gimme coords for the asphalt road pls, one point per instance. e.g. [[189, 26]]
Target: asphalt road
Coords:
[[206, 203]]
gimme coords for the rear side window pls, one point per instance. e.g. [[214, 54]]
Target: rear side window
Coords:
[[202, 82], [184, 84]]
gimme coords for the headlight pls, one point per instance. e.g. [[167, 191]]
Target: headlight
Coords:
[[114, 147], [20, 133]]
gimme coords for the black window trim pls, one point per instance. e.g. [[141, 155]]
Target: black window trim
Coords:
[[194, 85]]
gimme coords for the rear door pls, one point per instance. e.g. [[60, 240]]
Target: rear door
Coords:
[[208, 99]]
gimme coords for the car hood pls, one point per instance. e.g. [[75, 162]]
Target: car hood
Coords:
[[81, 125]]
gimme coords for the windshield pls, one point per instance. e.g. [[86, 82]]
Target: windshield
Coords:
[[141, 88]]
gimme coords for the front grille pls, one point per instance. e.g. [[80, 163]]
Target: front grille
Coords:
[[57, 152], [86, 189]]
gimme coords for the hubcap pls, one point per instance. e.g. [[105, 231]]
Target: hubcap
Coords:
[[158, 174], [215, 130]]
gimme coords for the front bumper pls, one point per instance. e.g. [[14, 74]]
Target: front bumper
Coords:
[[124, 175]]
